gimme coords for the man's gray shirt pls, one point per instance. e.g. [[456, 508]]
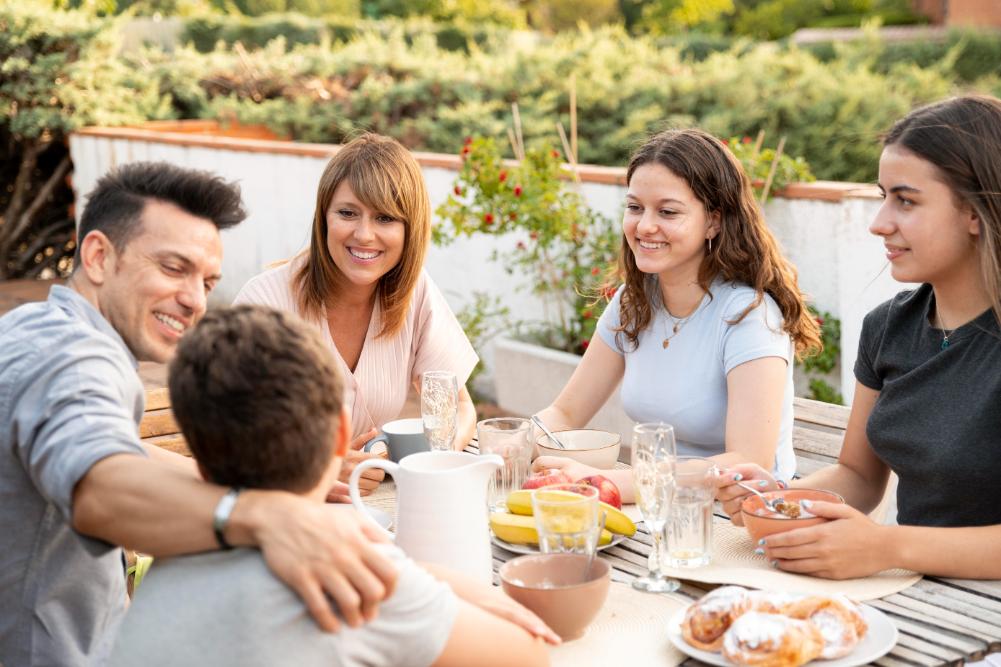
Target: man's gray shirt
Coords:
[[69, 397]]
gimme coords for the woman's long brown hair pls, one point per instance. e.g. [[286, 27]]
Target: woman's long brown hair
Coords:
[[744, 250], [386, 178], [961, 137]]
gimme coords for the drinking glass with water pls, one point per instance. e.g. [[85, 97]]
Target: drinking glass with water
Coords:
[[690, 527], [439, 408], [509, 438]]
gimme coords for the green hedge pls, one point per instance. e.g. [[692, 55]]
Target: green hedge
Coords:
[[402, 78], [966, 55], [58, 71], [832, 111], [204, 32]]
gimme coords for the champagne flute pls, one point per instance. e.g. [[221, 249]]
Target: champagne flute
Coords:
[[439, 408], [653, 458]]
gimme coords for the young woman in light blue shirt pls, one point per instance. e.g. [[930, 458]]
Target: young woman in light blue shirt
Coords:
[[704, 329]]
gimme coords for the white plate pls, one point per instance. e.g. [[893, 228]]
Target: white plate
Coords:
[[882, 637], [384, 519], [531, 549]]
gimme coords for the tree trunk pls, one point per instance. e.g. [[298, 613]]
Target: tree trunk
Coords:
[[17, 219]]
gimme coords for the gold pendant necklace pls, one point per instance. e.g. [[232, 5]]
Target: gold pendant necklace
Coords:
[[678, 325]]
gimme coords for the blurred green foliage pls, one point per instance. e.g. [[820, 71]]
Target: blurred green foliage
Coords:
[[207, 30], [59, 70], [759, 19], [405, 84], [563, 249]]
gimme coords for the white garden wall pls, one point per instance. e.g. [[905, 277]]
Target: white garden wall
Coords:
[[823, 228]]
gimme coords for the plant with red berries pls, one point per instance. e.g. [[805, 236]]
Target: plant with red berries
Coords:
[[560, 245]]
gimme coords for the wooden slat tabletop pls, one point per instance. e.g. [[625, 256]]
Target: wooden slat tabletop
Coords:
[[941, 621]]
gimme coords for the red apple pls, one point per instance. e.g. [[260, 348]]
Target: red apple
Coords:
[[547, 478], [607, 491]]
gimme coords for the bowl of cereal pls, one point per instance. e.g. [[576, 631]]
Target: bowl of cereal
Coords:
[[761, 521]]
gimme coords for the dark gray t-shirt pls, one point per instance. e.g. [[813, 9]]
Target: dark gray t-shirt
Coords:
[[937, 421]]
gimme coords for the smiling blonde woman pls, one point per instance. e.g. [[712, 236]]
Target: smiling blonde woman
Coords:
[[362, 282]]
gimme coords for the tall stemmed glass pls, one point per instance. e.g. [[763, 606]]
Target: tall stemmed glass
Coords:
[[439, 408], [653, 457]]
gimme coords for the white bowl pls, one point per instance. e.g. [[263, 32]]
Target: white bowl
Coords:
[[598, 449]]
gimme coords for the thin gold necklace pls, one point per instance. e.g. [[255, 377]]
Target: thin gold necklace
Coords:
[[678, 324]]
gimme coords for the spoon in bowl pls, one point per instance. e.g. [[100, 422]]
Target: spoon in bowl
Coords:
[[549, 434], [778, 505]]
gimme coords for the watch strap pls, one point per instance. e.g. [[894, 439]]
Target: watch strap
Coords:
[[220, 518]]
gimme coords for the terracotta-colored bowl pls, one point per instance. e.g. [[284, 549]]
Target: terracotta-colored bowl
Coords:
[[763, 525], [555, 588], [598, 449]]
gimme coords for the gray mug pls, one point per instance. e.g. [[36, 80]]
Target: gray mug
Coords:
[[402, 438]]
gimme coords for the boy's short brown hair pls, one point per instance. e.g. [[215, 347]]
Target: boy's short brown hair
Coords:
[[258, 397]]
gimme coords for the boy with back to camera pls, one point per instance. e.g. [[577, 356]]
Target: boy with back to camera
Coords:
[[259, 400]]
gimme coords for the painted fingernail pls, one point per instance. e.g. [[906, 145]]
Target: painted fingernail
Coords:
[[737, 477], [761, 542], [775, 564], [763, 483], [805, 504], [759, 551]]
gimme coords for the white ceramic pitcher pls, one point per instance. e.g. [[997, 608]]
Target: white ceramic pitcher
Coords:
[[441, 507]]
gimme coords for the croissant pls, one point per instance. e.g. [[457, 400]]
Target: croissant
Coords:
[[771, 640], [839, 620], [708, 618], [773, 602]]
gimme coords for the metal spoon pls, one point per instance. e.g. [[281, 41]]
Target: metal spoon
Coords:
[[769, 503], [549, 434]]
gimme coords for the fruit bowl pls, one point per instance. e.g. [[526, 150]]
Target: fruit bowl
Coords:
[[761, 523], [598, 449], [555, 587]]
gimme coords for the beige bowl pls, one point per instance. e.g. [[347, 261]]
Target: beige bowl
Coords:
[[598, 449], [555, 588]]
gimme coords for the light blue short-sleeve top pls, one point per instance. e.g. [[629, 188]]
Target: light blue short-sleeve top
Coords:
[[684, 384]]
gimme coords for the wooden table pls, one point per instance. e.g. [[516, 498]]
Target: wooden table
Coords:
[[941, 621]]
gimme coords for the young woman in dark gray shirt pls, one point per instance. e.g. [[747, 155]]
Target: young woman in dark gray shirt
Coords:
[[928, 395]]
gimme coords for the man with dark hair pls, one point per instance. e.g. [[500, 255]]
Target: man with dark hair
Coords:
[[75, 481], [258, 396]]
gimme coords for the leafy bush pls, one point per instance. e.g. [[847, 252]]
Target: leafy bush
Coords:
[[253, 32], [409, 87], [58, 72], [774, 19], [823, 364], [965, 54], [563, 247]]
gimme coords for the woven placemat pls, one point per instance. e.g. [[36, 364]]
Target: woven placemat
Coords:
[[631, 629], [734, 562]]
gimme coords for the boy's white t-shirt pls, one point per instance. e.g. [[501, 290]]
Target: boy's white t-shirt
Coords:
[[685, 384], [226, 609]]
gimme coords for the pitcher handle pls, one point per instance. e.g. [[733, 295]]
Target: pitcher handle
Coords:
[[356, 500]]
